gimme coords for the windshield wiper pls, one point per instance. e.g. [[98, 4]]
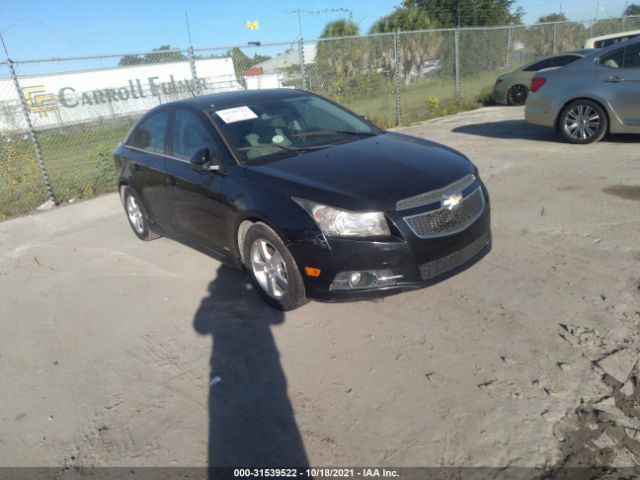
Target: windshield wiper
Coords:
[[317, 133], [281, 147]]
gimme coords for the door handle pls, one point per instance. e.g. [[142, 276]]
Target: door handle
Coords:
[[614, 79]]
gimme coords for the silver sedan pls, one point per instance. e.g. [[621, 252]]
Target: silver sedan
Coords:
[[590, 97]]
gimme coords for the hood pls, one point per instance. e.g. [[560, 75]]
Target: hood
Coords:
[[367, 174]]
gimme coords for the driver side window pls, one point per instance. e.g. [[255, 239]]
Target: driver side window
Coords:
[[632, 56], [189, 135], [613, 60]]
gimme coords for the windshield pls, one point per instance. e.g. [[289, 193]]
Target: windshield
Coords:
[[285, 127]]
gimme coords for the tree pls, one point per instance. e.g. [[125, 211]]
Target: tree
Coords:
[[632, 10], [469, 13], [161, 54], [164, 55], [338, 63], [403, 19], [242, 62], [415, 49], [340, 28], [130, 60], [553, 17]]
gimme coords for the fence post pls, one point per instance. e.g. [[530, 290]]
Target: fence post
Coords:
[[457, 64], [590, 28], [32, 133], [509, 48], [396, 69], [194, 74], [555, 37], [303, 72]]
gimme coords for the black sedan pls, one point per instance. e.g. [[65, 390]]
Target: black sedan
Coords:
[[310, 199]]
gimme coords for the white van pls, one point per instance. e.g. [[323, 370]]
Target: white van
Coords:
[[608, 40]]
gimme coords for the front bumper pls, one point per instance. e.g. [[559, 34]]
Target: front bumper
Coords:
[[420, 262]]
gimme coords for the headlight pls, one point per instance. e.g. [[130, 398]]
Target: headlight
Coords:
[[333, 221]]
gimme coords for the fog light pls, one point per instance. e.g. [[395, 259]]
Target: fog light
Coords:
[[355, 280]]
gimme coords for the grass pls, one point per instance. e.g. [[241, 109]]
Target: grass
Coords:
[[79, 159], [434, 97]]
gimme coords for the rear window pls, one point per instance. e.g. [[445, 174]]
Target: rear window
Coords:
[[539, 65], [564, 60]]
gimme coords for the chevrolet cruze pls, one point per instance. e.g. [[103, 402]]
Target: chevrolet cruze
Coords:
[[311, 200]]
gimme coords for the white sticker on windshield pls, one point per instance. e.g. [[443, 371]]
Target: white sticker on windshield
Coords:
[[236, 114]]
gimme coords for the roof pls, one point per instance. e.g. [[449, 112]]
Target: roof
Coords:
[[237, 97]]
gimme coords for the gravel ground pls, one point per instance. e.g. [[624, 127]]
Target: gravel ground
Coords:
[[119, 352]]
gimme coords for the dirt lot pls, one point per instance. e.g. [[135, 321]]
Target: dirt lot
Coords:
[[119, 352]]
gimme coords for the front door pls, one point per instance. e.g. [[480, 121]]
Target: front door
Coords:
[[201, 211], [620, 75]]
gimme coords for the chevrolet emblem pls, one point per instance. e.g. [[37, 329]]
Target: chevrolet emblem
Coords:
[[450, 201]]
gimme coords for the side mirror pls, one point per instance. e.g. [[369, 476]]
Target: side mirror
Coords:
[[203, 160]]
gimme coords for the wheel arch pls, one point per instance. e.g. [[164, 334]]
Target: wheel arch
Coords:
[[243, 226]]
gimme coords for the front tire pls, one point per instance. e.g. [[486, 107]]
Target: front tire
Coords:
[[135, 214], [582, 122], [273, 270]]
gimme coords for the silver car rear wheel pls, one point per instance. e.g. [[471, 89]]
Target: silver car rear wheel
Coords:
[[582, 122]]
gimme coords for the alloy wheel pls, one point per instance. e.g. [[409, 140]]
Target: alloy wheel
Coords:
[[269, 268], [518, 95], [582, 122], [135, 214]]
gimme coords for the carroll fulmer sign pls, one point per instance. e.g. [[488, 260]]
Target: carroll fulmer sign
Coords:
[[80, 97], [69, 97]]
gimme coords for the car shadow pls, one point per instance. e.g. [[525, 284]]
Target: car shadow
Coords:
[[510, 129], [251, 420], [520, 129]]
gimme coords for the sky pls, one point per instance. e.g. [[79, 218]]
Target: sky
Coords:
[[45, 28]]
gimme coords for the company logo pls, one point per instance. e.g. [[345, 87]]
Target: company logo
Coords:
[[38, 101], [41, 102], [450, 201]]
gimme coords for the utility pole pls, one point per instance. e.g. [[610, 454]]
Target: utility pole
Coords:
[[597, 10], [186, 17], [299, 11]]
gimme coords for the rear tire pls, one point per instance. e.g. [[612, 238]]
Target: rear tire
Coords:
[[582, 122], [517, 95], [138, 220], [273, 270]]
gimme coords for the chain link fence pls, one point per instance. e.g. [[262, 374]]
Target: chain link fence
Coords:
[[61, 118]]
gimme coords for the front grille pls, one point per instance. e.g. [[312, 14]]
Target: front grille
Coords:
[[437, 223], [434, 195], [442, 265]]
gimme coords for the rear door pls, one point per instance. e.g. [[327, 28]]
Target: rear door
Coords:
[[145, 152], [619, 72], [201, 210]]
